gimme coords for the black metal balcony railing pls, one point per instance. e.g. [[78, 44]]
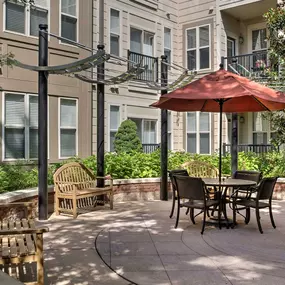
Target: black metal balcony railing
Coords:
[[151, 73], [150, 147], [257, 148], [254, 65]]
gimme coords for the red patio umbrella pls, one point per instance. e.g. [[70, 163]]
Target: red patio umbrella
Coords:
[[222, 91]]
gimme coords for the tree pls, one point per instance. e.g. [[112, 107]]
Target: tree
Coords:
[[126, 139], [275, 20]]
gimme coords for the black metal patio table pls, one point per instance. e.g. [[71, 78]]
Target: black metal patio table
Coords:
[[221, 187]]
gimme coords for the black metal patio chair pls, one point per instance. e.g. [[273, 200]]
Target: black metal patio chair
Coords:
[[194, 190], [182, 172], [263, 199], [244, 193]]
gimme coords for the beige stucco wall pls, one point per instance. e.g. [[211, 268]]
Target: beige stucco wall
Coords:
[[18, 80], [134, 99]]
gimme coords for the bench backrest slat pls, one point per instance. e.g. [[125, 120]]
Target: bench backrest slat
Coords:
[[73, 172]]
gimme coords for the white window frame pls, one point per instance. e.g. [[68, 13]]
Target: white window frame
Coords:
[[169, 60], [142, 38], [109, 122], [198, 132], [268, 132], [26, 126], [251, 28], [77, 24], [27, 20], [59, 127], [120, 27], [197, 48], [146, 119]]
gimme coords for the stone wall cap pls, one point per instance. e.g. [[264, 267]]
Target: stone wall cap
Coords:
[[10, 197], [136, 180]]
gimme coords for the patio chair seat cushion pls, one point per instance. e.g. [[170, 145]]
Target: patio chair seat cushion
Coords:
[[199, 204], [251, 203]]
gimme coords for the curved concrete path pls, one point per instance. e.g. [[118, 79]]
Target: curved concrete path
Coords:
[[145, 249], [137, 244]]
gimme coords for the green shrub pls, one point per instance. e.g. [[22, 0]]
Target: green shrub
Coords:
[[126, 138], [127, 165]]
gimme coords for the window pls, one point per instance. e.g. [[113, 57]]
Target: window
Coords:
[[141, 42], [198, 48], [114, 124], [169, 131], [198, 132], [259, 48], [262, 131], [146, 130], [25, 18], [68, 128], [115, 32], [69, 19], [167, 44], [231, 47], [20, 126]]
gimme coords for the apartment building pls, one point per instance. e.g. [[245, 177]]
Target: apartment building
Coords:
[[69, 100], [242, 39], [195, 34], [137, 30]]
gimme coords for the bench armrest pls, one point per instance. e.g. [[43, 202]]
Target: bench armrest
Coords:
[[24, 231]]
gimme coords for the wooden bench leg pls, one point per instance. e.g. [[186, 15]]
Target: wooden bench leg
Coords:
[[56, 205], [74, 208], [111, 197], [40, 260]]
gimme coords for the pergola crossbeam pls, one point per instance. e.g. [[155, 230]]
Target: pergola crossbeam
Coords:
[[77, 66], [126, 76]]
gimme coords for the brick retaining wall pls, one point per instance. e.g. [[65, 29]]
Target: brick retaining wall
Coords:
[[124, 190]]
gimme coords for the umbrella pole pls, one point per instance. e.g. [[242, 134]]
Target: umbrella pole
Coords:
[[221, 102]]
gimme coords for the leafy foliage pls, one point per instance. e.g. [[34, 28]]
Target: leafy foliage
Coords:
[[141, 165], [6, 59], [126, 139], [275, 19]]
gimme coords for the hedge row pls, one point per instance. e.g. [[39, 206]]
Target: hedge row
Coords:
[[141, 165]]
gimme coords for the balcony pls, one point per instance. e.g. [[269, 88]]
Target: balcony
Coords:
[[151, 74], [246, 9], [257, 148], [150, 147], [254, 66]]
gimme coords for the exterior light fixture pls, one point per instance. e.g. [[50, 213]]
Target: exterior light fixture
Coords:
[[241, 39], [241, 119]]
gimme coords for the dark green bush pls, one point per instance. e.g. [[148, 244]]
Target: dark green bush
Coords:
[[126, 138], [141, 165]]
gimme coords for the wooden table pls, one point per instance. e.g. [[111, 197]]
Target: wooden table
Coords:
[[228, 182], [5, 279]]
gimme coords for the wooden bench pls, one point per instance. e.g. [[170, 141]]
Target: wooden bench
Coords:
[[76, 187], [21, 244]]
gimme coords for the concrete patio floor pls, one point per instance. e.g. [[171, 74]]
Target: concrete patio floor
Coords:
[[136, 243]]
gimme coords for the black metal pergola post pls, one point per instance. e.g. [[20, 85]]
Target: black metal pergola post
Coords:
[[164, 132], [100, 120], [101, 101], [234, 136], [234, 143], [43, 124]]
